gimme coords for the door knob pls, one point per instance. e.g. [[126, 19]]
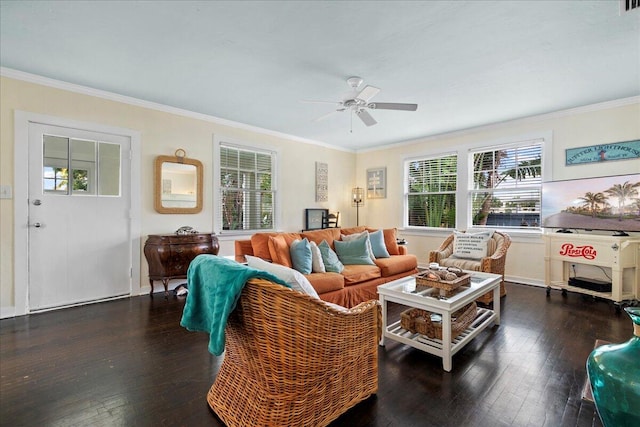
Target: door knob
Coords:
[[37, 225]]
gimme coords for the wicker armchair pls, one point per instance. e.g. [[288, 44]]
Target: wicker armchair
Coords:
[[493, 263], [292, 360]]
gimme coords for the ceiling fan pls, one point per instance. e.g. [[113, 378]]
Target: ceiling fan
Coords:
[[358, 102]]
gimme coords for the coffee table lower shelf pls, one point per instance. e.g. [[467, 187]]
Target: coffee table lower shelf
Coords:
[[484, 318]]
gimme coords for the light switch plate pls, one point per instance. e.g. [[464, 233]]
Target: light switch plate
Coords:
[[6, 192]]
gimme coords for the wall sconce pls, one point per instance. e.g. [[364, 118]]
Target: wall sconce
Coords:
[[357, 200]]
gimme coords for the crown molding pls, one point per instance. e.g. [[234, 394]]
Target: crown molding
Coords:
[[523, 120], [98, 93], [85, 90]]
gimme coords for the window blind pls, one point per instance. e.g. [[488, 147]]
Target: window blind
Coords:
[[247, 194], [431, 191]]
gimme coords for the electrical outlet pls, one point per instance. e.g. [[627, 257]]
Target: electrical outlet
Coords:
[[6, 192]]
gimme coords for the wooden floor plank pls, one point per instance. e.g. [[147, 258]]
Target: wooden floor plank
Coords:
[[128, 362]]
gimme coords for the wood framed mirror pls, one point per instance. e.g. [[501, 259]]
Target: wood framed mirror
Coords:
[[178, 184]]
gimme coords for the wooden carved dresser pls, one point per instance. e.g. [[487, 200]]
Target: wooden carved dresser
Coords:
[[169, 255]]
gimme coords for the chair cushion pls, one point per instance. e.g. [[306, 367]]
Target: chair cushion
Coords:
[[326, 282], [301, 257], [279, 251], [359, 273], [328, 234], [471, 245], [465, 264], [396, 264], [352, 230], [293, 278]]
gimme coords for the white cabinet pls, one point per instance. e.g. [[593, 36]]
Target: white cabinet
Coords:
[[619, 256]]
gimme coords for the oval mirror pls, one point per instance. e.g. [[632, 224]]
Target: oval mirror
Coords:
[[178, 185]]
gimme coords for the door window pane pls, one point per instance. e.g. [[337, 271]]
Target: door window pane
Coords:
[[83, 167], [69, 167], [55, 173], [108, 169]]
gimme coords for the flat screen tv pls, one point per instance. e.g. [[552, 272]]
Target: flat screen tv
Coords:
[[605, 203]]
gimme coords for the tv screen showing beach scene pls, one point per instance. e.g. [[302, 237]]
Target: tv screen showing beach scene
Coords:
[[605, 203]]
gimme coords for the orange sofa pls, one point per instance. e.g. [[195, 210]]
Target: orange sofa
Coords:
[[356, 283]]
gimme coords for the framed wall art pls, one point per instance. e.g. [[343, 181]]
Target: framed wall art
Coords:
[[314, 218], [322, 182], [603, 152], [377, 183]]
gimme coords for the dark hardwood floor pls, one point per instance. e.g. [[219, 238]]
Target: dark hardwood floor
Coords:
[[129, 363]]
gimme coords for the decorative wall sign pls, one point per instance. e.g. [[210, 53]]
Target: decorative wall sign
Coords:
[[603, 152], [585, 251], [377, 183], [322, 182]]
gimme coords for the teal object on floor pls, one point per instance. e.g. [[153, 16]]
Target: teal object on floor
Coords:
[[614, 373]]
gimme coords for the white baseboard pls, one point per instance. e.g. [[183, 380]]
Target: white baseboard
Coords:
[[7, 312], [525, 281]]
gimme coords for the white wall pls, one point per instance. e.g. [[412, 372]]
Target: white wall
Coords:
[[162, 133], [609, 122], [163, 130]]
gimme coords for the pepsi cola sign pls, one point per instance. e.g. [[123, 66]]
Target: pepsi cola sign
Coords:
[[570, 250]]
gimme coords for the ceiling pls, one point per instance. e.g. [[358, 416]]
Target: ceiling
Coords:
[[465, 63]]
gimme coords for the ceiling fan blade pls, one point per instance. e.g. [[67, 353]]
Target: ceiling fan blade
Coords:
[[367, 93], [329, 114], [312, 101], [392, 106], [366, 118]]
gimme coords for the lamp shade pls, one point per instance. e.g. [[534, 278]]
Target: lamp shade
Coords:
[[357, 197]]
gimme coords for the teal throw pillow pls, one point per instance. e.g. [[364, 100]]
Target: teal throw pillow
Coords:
[[300, 251], [377, 244], [355, 236], [329, 258], [354, 252]]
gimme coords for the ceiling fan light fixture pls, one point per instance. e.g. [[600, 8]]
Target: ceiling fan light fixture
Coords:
[[355, 82]]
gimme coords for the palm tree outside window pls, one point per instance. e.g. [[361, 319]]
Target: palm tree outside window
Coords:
[[506, 186]]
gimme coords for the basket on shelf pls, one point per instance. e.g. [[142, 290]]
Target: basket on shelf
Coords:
[[419, 321], [433, 279]]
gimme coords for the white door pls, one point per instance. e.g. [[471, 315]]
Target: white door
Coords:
[[79, 216]]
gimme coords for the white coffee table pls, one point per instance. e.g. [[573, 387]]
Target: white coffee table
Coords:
[[403, 291]]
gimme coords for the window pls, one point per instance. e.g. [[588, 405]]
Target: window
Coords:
[[80, 167], [431, 191], [247, 190], [506, 184], [503, 187]]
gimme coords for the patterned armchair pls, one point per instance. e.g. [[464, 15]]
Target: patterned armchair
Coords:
[[292, 360], [494, 262]]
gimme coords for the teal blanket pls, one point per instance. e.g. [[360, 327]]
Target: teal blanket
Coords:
[[215, 284]]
